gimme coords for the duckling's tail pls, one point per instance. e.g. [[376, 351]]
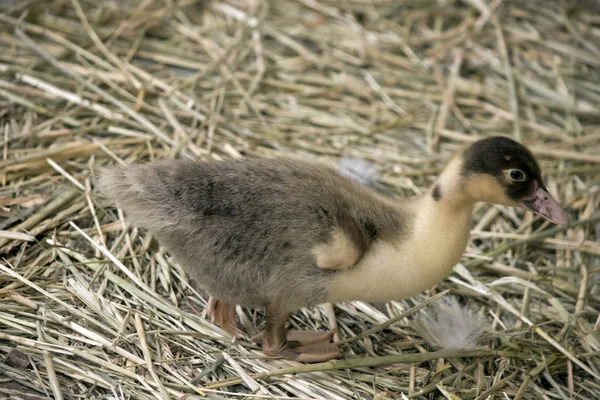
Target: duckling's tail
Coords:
[[140, 192]]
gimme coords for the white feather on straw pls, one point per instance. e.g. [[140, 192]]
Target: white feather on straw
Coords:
[[449, 325], [359, 170]]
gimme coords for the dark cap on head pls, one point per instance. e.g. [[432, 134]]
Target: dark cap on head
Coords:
[[516, 171], [498, 156]]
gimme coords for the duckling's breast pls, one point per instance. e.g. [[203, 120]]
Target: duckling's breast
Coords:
[[401, 269]]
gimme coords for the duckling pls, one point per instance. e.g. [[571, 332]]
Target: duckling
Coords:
[[282, 234]]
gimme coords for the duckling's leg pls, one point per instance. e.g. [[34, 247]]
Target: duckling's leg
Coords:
[[223, 314], [303, 346]]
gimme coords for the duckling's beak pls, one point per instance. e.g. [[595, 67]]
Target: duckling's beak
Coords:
[[543, 203]]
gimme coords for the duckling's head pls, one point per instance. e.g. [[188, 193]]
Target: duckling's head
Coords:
[[499, 170]]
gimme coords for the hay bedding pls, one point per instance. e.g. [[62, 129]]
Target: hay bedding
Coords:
[[90, 308]]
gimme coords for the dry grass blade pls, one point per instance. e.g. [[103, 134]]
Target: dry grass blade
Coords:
[[98, 311], [52, 376]]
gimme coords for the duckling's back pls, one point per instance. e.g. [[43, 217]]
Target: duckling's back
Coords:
[[244, 230]]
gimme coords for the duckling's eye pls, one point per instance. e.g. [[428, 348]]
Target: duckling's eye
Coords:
[[517, 175]]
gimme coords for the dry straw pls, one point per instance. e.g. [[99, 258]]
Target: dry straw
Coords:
[[91, 308]]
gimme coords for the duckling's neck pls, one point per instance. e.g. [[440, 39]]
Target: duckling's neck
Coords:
[[449, 192], [446, 219]]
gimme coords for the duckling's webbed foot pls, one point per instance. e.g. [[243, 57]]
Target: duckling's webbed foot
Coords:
[[303, 346], [223, 314]]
